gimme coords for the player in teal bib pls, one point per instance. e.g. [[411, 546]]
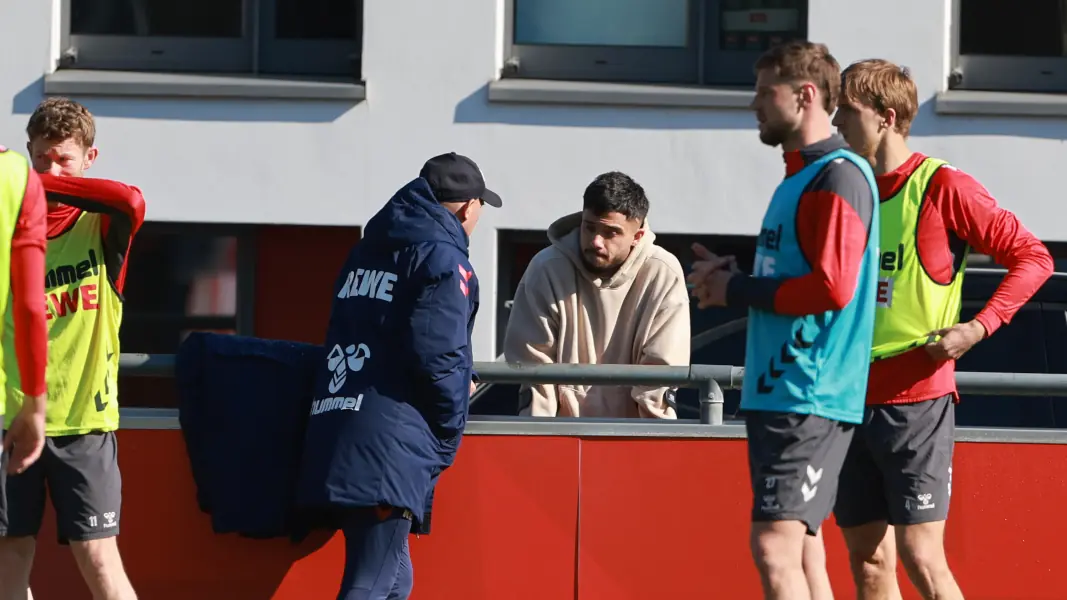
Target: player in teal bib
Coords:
[[811, 301], [814, 364]]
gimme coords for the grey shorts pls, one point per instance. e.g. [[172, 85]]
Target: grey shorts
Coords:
[[82, 476], [899, 467], [794, 462]]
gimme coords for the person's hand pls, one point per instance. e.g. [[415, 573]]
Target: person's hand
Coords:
[[712, 292], [710, 277], [474, 387], [24, 440], [708, 262], [955, 341]]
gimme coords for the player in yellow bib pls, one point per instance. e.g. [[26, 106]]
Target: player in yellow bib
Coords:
[[22, 247], [84, 312], [91, 223], [896, 482]]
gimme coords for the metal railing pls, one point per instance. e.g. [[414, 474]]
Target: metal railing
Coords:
[[710, 380]]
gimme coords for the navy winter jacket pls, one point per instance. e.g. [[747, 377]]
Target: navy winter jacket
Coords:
[[392, 395], [243, 405]]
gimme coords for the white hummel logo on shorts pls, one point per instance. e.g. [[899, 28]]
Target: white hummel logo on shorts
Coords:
[[809, 491]]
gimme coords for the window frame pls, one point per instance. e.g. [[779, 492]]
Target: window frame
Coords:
[[180, 54], [327, 57], [256, 52], [626, 64], [243, 321], [700, 62], [991, 73]]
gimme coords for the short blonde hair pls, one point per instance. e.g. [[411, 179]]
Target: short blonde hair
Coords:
[[882, 85], [806, 61], [59, 119]]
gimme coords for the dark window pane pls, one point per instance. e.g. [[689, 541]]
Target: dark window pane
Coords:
[[649, 23], [156, 18], [147, 392], [728, 350], [517, 249], [756, 25], [178, 282], [316, 19], [998, 28], [1018, 347]]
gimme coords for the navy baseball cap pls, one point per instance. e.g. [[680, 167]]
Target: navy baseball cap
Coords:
[[456, 178]]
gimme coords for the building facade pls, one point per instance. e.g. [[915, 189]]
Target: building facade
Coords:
[[264, 133]]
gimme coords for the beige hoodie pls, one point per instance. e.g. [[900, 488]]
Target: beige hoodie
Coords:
[[562, 313]]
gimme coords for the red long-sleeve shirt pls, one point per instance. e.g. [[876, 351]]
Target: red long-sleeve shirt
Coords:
[[958, 210], [123, 210], [27, 288]]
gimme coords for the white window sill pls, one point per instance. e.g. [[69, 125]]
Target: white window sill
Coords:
[[540, 91], [1015, 104], [85, 82]]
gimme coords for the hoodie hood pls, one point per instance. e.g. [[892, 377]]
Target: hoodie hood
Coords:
[[565, 237], [413, 216]]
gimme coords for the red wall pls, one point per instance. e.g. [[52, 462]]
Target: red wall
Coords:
[[295, 272], [553, 518]]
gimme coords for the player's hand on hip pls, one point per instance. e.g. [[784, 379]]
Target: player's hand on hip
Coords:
[[24, 440], [474, 387], [953, 342]]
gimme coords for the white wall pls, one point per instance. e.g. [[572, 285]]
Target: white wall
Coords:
[[334, 163]]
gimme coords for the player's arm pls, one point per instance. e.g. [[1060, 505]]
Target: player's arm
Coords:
[[833, 225], [439, 351], [28, 294], [122, 205], [969, 211], [531, 338]]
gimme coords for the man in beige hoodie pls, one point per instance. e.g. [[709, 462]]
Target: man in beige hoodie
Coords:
[[602, 293]]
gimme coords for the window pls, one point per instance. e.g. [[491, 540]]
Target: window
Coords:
[[648, 41], [277, 37], [1023, 346], [1007, 47], [180, 280], [515, 250]]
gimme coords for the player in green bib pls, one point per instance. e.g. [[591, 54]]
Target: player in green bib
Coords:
[[84, 314], [22, 247], [91, 224], [896, 482]]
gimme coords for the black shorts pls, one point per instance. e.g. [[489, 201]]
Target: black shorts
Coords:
[[82, 476], [899, 467], [794, 461]]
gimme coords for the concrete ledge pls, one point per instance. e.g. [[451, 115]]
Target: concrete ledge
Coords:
[[540, 91], [1015, 104], [85, 82]]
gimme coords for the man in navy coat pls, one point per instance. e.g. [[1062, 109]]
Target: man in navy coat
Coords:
[[391, 399]]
